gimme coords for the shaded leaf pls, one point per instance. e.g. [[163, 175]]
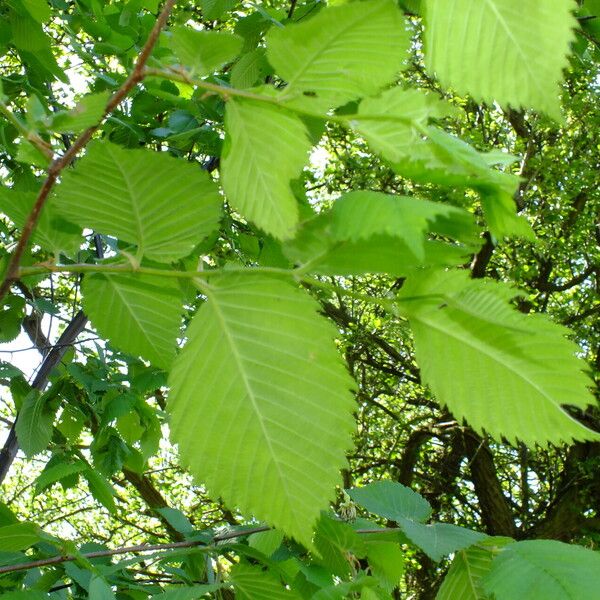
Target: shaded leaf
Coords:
[[547, 569], [203, 52], [391, 500]]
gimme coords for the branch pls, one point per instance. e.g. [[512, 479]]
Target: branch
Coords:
[[68, 157], [75, 327], [230, 535], [495, 511]]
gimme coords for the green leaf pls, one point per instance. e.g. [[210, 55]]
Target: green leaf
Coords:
[[214, 9], [87, 113], [25, 595], [250, 69], [34, 424], [439, 539], [391, 500], [57, 472], [100, 489], [469, 567], [334, 540], [499, 369], [34, 46], [141, 315], [52, 232], [203, 52], [392, 122], [176, 519], [163, 205], [501, 50], [547, 569], [259, 136], [499, 208], [360, 215], [12, 312], [270, 370], [324, 242], [343, 53], [38, 9], [266, 541], [99, 589], [386, 560], [252, 583], [193, 592], [19, 536]]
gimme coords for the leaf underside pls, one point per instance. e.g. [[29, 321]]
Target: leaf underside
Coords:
[[501, 50], [502, 371], [163, 205], [260, 403]]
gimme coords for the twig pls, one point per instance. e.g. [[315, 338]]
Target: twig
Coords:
[[67, 158], [230, 535]]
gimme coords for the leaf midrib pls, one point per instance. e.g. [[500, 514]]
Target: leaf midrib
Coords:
[[238, 360], [330, 42]]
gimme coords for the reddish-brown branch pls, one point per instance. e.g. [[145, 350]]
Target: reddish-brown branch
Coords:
[[68, 157]]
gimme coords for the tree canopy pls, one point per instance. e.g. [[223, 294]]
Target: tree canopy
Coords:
[[299, 299]]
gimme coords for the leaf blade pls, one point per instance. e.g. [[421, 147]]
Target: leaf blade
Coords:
[[285, 398], [125, 193]]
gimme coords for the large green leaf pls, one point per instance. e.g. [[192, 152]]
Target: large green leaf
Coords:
[[438, 540], [363, 214], [260, 360], [52, 232], [501, 50], [371, 232], [252, 583], [546, 569], [499, 369], [163, 205], [203, 52], [342, 53], [139, 314], [465, 577], [19, 536], [391, 500], [265, 148]]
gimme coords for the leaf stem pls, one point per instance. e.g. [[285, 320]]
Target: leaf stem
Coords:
[[129, 268], [29, 135]]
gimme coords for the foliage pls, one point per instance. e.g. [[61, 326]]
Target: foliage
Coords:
[[286, 224]]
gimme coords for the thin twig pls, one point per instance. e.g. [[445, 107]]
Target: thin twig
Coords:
[[67, 158]]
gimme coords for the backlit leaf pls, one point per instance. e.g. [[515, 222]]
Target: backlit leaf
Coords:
[[482, 359], [163, 205], [501, 50], [270, 370]]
